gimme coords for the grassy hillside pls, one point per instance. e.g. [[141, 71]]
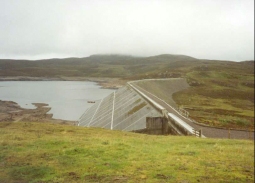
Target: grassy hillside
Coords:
[[220, 99], [220, 95], [93, 66], [128, 67], [41, 152]]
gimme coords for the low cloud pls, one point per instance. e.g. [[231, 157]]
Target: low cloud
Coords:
[[216, 29]]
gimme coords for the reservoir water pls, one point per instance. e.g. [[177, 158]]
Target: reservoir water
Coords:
[[68, 99]]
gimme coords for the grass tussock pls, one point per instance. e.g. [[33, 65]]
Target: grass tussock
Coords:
[[41, 152]]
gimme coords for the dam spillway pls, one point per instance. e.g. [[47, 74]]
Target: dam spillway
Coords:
[[123, 110]]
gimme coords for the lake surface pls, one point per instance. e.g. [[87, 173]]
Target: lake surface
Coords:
[[68, 99]]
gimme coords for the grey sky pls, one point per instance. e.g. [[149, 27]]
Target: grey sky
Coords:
[[211, 29]]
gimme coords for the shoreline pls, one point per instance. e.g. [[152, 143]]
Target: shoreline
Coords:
[[104, 82], [12, 112]]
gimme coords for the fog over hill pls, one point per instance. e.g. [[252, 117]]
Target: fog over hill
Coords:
[[213, 29]]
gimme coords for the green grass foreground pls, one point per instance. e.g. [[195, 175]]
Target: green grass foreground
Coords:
[[44, 152]]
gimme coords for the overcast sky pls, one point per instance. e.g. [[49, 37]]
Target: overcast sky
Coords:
[[210, 29]]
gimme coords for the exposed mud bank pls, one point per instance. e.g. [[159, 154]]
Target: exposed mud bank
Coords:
[[12, 112]]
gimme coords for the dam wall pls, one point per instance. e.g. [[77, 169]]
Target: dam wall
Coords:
[[131, 108], [163, 88], [123, 110]]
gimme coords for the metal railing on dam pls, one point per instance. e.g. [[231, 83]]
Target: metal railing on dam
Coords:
[[123, 110]]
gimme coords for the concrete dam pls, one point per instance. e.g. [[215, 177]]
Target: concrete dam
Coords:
[[130, 109], [123, 110]]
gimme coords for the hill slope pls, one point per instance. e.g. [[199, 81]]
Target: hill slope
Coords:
[[115, 66], [95, 65], [41, 152]]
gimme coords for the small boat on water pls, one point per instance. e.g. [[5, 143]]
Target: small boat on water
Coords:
[[91, 101]]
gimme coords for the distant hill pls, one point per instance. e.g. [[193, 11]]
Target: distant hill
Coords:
[[172, 57], [123, 66]]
